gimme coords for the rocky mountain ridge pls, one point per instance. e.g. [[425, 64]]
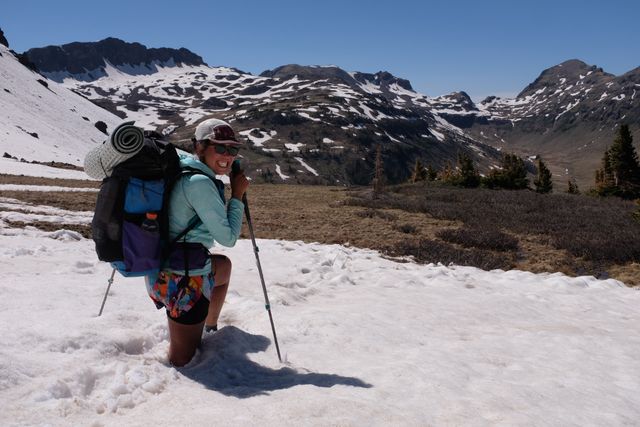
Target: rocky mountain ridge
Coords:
[[567, 115], [306, 124], [88, 61]]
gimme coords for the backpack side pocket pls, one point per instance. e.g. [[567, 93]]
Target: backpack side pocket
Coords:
[[141, 248], [141, 243], [106, 226]]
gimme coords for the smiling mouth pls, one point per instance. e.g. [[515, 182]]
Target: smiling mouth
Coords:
[[223, 164]]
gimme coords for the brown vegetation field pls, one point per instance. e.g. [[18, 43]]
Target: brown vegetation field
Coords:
[[576, 235]]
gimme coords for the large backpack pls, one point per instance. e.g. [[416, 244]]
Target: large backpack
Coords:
[[130, 226]]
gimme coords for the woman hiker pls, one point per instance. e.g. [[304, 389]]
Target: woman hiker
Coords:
[[194, 292]]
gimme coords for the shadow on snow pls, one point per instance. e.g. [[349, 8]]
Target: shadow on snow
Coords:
[[222, 365]]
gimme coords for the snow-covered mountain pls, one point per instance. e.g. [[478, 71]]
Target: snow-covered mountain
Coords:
[[303, 123], [568, 115], [44, 121], [321, 124]]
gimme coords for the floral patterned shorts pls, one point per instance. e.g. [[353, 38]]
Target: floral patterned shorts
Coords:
[[179, 294]]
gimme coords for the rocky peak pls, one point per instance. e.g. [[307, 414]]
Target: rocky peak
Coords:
[[331, 73], [568, 72], [463, 98], [630, 77], [3, 39], [489, 100], [78, 58], [334, 74], [382, 79]]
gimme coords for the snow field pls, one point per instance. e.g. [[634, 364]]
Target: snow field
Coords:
[[14, 167], [61, 116], [365, 341]]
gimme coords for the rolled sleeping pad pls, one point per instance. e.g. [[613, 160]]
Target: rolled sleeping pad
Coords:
[[124, 142]]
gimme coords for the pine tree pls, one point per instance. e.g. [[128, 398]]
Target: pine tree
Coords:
[[419, 172], [572, 187], [432, 174], [447, 174], [267, 175], [636, 214], [624, 164], [604, 177], [543, 181], [378, 173], [620, 172], [468, 175], [512, 175]]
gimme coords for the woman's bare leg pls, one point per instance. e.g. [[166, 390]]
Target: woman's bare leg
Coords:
[[221, 266], [183, 341]]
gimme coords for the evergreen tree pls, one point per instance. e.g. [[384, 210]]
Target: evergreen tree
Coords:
[[624, 164], [512, 175], [378, 172], [572, 187], [447, 174], [604, 176], [468, 175], [620, 172], [267, 175], [543, 181], [419, 172], [432, 174]]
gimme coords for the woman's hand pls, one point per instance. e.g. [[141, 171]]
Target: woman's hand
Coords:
[[239, 184]]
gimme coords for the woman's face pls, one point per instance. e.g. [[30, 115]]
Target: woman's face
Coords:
[[218, 160]]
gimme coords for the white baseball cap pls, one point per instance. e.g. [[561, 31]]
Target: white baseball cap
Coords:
[[216, 131]]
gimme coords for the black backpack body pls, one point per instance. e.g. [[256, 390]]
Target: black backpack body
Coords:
[[130, 223]]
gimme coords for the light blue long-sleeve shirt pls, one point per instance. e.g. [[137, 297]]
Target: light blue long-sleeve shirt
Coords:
[[197, 195]]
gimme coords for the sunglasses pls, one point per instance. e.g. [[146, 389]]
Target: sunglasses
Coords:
[[221, 149]]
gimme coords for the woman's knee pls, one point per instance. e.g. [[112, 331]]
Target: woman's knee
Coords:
[[221, 269]]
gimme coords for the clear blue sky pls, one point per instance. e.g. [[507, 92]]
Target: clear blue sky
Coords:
[[483, 47]]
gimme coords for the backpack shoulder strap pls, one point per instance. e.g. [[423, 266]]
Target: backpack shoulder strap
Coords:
[[189, 171], [195, 221]]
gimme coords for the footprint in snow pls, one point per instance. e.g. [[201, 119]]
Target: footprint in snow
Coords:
[[84, 264]]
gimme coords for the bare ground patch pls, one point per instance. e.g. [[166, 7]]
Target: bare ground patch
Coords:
[[73, 201], [325, 215], [84, 230], [58, 182]]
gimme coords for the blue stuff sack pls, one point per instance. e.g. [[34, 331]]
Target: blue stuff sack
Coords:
[[141, 242], [143, 196]]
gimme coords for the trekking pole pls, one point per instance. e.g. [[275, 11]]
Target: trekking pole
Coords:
[[107, 293], [267, 305]]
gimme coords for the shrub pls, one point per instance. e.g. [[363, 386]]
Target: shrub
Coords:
[[419, 173], [482, 238], [596, 228], [373, 213], [426, 250], [406, 228]]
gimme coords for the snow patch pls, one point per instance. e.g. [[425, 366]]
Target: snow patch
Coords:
[[439, 136], [306, 166], [280, 174], [294, 147]]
